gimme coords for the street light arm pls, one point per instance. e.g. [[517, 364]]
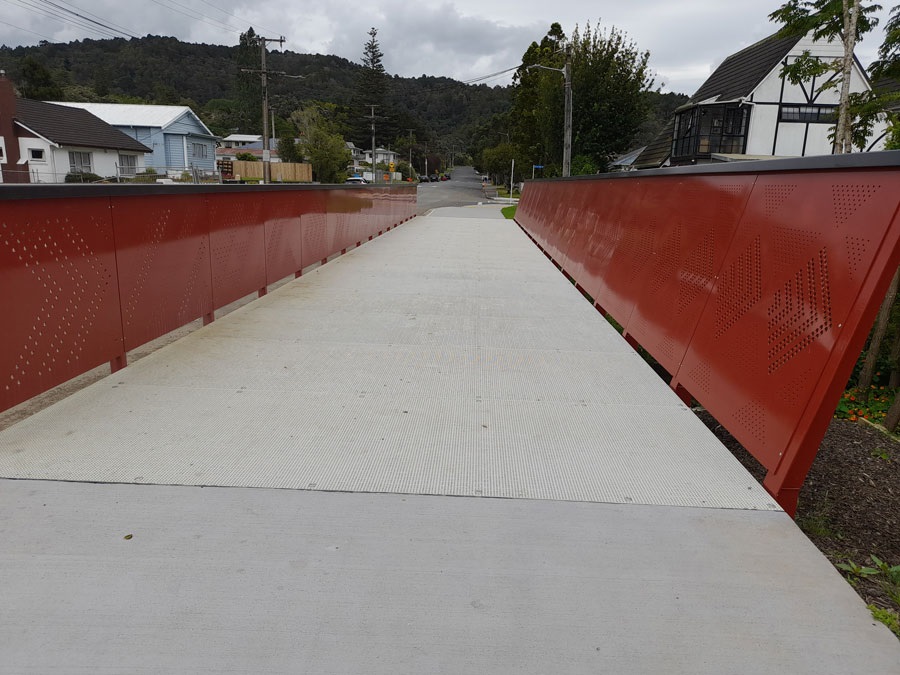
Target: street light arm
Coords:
[[537, 65]]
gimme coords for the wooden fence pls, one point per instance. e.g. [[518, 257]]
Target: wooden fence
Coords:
[[282, 172]]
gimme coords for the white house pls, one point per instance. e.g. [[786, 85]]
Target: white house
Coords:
[[44, 143], [381, 156], [240, 140], [747, 109]]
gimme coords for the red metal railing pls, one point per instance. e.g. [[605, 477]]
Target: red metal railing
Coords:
[[755, 286], [90, 272]]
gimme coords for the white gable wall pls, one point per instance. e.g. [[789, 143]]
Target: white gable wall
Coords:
[[55, 165], [768, 136]]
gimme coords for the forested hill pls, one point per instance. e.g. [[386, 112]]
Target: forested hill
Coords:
[[165, 70]]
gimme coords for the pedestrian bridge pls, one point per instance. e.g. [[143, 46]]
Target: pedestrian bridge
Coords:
[[428, 455]]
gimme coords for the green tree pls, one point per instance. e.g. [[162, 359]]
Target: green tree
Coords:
[[38, 82], [248, 87], [371, 90], [289, 150], [610, 81], [843, 20], [325, 150]]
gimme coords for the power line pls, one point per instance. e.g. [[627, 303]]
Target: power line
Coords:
[[49, 39], [88, 18], [234, 16], [31, 6], [193, 14], [99, 19]]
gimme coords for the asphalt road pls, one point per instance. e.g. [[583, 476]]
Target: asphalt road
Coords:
[[463, 189]]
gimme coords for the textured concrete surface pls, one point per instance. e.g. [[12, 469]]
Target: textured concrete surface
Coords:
[[284, 581]]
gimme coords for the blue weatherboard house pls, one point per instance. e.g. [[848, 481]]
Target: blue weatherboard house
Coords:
[[178, 139]]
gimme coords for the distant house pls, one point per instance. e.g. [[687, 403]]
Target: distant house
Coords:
[[381, 156], [357, 155], [177, 139], [747, 110], [42, 143], [240, 140], [254, 148]]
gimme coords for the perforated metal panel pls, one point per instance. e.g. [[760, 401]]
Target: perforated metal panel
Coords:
[[60, 300], [284, 233], [758, 293], [179, 256], [162, 247], [237, 242]]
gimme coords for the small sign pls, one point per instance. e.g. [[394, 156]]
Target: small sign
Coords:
[[391, 167], [537, 166]]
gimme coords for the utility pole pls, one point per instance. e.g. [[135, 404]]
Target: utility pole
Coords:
[[264, 79], [567, 139], [374, 175], [410, 151]]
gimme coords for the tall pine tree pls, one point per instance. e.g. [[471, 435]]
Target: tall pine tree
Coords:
[[372, 89]]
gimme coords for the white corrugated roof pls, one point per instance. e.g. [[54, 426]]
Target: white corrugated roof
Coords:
[[250, 138], [130, 114]]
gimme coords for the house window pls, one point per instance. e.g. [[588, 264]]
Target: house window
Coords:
[[80, 162], [704, 130], [36, 155], [127, 165], [198, 150], [816, 114], [2, 151]]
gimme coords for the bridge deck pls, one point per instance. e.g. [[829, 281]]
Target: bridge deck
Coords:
[[445, 359]]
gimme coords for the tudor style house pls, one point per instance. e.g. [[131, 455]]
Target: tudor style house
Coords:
[[43, 143], [748, 110], [177, 139]]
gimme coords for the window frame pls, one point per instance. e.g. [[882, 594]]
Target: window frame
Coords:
[[79, 154], [807, 113], [126, 168], [32, 158]]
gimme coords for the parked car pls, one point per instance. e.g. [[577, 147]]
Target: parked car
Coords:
[[434, 178], [424, 179], [357, 180]]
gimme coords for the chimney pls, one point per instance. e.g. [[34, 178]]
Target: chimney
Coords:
[[10, 170]]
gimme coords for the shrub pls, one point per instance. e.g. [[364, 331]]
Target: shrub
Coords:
[[79, 177]]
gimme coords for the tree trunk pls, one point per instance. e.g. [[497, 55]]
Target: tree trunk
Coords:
[[881, 324], [894, 382], [843, 137], [893, 415]]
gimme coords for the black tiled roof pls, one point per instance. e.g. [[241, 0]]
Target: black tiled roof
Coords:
[[740, 73], [73, 126], [737, 76], [658, 150]]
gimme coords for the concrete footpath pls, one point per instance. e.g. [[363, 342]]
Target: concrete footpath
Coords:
[[429, 455]]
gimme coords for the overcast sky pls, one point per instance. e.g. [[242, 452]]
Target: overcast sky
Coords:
[[462, 39]]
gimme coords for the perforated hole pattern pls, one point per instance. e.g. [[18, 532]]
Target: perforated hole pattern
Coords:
[[789, 243], [752, 417], [857, 249], [847, 199], [740, 287], [74, 281], [697, 272], [668, 261], [800, 312], [774, 196], [700, 375]]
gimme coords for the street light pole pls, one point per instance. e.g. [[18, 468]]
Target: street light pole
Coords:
[[567, 131]]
